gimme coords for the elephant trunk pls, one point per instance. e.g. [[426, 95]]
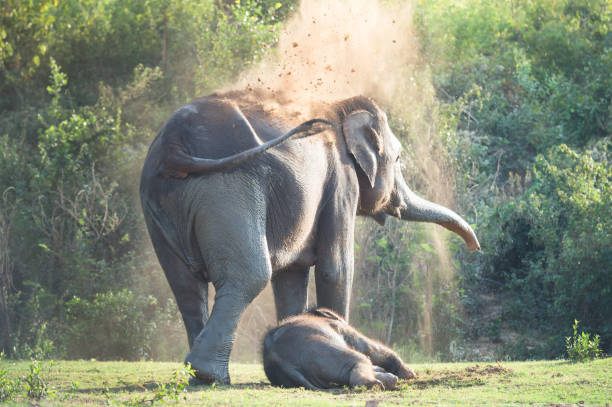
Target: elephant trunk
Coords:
[[415, 208]]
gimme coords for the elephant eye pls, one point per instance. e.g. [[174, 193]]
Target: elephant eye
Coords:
[[397, 159]]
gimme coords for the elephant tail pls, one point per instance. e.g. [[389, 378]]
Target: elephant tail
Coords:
[[179, 164]]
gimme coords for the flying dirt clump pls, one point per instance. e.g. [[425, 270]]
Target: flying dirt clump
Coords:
[[330, 50]]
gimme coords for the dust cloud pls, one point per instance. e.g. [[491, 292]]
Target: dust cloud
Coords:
[[331, 50]]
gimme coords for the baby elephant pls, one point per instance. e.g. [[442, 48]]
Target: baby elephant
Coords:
[[318, 350]]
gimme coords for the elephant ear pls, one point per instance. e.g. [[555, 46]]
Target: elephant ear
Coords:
[[363, 142]]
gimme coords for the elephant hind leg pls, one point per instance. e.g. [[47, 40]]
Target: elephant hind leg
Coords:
[[239, 274], [389, 380], [211, 350], [363, 375], [189, 288]]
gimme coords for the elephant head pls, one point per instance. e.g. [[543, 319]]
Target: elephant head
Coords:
[[383, 191]]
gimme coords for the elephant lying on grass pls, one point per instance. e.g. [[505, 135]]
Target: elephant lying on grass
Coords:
[[226, 204], [319, 350]]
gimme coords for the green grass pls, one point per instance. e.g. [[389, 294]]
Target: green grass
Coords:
[[75, 383]]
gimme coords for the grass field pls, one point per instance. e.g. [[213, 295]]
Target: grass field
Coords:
[[76, 383]]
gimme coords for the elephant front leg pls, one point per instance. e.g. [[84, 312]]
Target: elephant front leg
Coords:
[[334, 266], [290, 291], [334, 289]]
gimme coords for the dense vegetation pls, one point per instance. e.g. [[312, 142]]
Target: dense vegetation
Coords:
[[532, 80], [522, 116]]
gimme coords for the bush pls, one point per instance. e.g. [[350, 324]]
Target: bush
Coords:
[[551, 250], [580, 347], [112, 325], [33, 384], [531, 76], [9, 388], [520, 80]]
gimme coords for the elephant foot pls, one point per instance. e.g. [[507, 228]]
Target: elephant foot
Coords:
[[196, 381], [363, 375], [207, 372], [389, 380], [406, 373]]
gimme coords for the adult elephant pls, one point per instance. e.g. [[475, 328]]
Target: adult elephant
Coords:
[[223, 206]]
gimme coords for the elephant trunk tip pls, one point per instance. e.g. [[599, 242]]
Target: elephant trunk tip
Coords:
[[466, 233]]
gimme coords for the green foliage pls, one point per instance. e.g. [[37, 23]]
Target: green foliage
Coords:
[[112, 323], [406, 296], [9, 387], [177, 385], [164, 391], [71, 150], [518, 80], [530, 75], [552, 247], [580, 347], [33, 384], [31, 339]]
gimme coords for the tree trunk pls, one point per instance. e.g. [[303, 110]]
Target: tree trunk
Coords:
[[7, 210]]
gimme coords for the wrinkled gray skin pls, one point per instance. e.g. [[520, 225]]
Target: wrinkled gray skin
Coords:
[[320, 350], [223, 207]]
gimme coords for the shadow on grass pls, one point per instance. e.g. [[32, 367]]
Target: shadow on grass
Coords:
[[127, 387], [152, 386], [470, 376], [252, 385]]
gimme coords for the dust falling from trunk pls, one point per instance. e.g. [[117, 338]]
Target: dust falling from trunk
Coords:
[[330, 50]]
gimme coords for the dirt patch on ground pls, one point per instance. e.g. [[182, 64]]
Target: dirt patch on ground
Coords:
[[470, 376], [487, 370]]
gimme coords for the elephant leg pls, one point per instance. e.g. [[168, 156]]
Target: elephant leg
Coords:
[[335, 259], [290, 291], [334, 290], [389, 380], [239, 268], [380, 355], [210, 353], [337, 363], [190, 290], [363, 374]]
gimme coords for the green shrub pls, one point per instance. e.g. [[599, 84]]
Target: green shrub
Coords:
[[112, 325], [580, 347], [33, 384], [9, 387], [531, 75], [177, 385], [551, 249]]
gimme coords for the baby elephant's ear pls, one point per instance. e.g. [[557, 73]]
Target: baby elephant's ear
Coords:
[[363, 142]]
